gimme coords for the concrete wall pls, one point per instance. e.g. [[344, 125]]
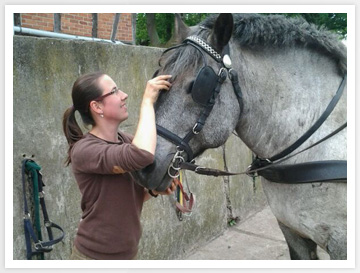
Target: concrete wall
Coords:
[[44, 71]]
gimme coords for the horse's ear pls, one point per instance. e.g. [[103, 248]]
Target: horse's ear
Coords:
[[222, 31], [181, 30]]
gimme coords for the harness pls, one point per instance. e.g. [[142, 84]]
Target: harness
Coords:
[[204, 91], [34, 237]]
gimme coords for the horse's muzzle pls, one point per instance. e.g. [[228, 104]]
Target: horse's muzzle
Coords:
[[154, 176]]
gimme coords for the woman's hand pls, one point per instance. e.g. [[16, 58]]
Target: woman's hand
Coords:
[[168, 191], [153, 87]]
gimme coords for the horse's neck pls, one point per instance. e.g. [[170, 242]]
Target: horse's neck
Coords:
[[285, 91]]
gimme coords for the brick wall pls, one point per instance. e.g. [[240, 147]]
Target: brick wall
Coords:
[[125, 27], [43, 21], [77, 24], [105, 23], [81, 24]]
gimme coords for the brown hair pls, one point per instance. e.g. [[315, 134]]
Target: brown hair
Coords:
[[85, 89]]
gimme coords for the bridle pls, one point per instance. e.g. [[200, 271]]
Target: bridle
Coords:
[[205, 90], [183, 158]]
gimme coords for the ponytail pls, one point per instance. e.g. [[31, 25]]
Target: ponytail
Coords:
[[71, 129], [85, 89]]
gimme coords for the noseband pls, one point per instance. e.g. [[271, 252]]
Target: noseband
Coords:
[[205, 89]]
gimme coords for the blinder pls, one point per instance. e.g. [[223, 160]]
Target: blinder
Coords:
[[204, 85]]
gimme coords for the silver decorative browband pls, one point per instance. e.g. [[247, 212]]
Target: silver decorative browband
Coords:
[[200, 42]]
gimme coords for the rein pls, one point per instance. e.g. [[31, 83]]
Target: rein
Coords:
[[251, 171]]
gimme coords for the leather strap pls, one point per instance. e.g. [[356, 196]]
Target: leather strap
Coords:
[[205, 114], [316, 125], [161, 131], [188, 201], [235, 83], [318, 171]]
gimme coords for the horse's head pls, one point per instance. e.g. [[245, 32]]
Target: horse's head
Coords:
[[192, 117]]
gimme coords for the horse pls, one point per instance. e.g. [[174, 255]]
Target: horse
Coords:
[[275, 79]]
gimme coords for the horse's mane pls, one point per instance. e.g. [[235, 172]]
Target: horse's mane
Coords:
[[259, 31]]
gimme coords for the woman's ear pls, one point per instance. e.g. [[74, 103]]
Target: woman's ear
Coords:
[[95, 107]]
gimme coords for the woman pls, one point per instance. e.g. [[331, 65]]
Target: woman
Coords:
[[102, 161]]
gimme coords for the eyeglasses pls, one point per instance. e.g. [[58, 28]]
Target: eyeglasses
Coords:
[[113, 91]]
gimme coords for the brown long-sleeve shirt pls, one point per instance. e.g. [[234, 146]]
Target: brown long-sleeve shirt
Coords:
[[111, 200]]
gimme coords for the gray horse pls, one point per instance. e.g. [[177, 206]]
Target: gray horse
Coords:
[[288, 72]]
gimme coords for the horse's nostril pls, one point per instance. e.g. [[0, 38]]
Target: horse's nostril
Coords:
[[149, 168]]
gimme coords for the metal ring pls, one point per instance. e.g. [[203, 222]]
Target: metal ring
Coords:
[[179, 157], [175, 168], [38, 245], [169, 173]]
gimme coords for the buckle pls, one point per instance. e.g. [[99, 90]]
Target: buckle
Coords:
[[194, 129], [199, 168], [252, 175], [256, 165], [39, 246], [26, 216], [48, 224], [222, 74]]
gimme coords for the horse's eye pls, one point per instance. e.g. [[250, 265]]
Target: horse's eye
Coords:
[[190, 87]]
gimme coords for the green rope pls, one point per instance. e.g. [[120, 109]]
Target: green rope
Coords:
[[33, 168]]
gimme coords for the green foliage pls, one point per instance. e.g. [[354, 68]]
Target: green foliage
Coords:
[[142, 37], [192, 19], [336, 22], [164, 25]]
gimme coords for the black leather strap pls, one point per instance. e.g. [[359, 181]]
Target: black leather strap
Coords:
[[161, 131], [319, 171], [316, 125], [237, 89]]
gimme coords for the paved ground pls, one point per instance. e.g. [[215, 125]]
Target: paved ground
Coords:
[[257, 238]]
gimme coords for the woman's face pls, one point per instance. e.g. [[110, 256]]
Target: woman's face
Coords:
[[113, 106]]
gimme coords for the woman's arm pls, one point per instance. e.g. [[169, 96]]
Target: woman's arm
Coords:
[[145, 135]]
